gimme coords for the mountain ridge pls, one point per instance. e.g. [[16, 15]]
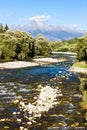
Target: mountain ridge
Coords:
[[51, 32]]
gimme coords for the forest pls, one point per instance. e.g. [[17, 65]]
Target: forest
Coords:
[[18, 45]]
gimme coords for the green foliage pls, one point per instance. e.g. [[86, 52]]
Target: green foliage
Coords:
[[7, 53], [42, 46], [16, 45], [21, 55], [56, 45], [25, 44], [80, 64], [83, 89], [78, 45], [63, 49], [3, 28], [81, 50], [21, 45], [6, 28], [64, 46], [83, 85]]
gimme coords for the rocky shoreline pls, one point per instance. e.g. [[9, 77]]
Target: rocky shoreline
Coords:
[[35, 62], [78, 70]]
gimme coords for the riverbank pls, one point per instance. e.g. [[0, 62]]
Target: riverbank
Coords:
[[42, 61], [80, 67], [16, 64], [35, 62]]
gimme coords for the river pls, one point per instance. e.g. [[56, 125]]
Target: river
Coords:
[[24, 85]]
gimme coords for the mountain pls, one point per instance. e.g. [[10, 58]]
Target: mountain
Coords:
[[51, 32]]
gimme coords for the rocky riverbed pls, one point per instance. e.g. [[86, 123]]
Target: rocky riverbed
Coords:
[[41, 98]]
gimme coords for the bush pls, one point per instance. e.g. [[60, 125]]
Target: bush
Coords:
[[16, 45], [83, 85], [42, 46], [81, 50]]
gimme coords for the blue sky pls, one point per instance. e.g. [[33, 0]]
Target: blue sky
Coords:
[[56, 12]]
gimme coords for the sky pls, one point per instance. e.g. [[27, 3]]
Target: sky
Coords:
[[72, 13]]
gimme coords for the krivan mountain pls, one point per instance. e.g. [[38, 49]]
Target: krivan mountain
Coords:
[[51, 32]]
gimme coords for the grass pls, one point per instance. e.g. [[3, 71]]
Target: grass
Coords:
[[81, 65]]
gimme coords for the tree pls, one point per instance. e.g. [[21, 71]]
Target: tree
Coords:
[[81, 50], [21, 45], [42, 46], [56, 45], [1, 28], [6, 28], [25, 46]]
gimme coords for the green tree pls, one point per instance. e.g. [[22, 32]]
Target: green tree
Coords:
[[56, 45], [6, 28], [81, 50], [43, 46], [25, 45], [22, 46], [1, 28]]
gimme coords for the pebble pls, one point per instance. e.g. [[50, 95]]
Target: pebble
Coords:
[[16, 101], [21, 128], [29, 123], [35, 98], [14, 113], [19, 120]]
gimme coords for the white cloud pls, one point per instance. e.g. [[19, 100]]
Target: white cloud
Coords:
[[74, 25], [40, 18]]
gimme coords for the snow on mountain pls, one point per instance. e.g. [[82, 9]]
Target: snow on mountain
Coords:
[[51, 32]]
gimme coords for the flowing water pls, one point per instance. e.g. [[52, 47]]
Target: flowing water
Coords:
[[24, 85]]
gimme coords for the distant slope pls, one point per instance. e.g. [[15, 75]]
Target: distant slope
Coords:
[[57, 35], [49, 31]]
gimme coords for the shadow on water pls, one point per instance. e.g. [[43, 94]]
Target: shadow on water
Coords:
[[22, 84]]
